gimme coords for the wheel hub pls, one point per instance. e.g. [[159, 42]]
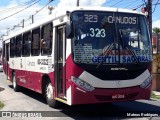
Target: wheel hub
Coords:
[[49, 91]]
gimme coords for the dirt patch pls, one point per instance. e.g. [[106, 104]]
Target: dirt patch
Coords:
[[1, 89]]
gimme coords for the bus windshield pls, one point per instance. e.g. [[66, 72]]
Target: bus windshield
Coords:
[[110, 38]]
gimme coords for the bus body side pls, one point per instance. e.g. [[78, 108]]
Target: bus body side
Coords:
[[72, 83]]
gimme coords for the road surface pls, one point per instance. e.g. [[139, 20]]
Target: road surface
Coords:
[[28, 101]]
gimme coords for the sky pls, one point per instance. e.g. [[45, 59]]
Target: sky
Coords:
[[10, 7]]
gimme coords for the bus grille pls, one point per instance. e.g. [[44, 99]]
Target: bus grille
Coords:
[[108, 98], [116, 75]]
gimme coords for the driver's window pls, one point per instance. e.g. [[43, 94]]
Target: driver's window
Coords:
[[134, 39]]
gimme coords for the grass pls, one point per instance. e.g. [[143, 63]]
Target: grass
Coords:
[[1, 105], [155, 96]]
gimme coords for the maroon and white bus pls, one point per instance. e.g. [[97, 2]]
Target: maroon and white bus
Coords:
[[82, 56]]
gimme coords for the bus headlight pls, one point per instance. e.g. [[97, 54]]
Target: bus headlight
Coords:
[[82, 84], [146, 82]]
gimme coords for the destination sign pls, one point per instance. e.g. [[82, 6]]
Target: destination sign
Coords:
[[112, 19], [123, 59], [122, 20]]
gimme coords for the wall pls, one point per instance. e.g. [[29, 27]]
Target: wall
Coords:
[[156, 72]]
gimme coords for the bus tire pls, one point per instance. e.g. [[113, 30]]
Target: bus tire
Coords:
[[16, 87], [50, 97]]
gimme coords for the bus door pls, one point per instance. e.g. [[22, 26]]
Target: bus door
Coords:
[[6, 64], [60, 57]]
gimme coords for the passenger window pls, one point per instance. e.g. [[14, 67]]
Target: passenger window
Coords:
[[46, 40], [27, 37], [12, 47], [35, 42], [4, 48], [18, 46]]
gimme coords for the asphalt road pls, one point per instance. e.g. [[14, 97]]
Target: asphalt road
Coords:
[[26, 101]]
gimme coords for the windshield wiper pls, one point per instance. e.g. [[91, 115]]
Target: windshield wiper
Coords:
[[107, 52], [132, 52]]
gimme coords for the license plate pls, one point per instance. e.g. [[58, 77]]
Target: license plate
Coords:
[[118, 96]]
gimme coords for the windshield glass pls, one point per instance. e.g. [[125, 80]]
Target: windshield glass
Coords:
[[107, 37]]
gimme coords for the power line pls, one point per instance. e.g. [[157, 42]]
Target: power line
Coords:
[[20, 10], [137, 7], [43, 7], [116, 3], [16, 7], [32, 17], [109, 2], [155, 6], [131, 3]]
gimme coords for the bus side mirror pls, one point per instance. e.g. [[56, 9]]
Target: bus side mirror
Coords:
[[69, 33]]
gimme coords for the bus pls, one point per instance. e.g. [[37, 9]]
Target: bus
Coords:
[[82, 55]]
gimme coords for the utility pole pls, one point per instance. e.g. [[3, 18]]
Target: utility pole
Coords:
[[77, 2], [149, 17]]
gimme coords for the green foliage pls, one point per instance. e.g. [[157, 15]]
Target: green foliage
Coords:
[[1, 105], [156, 30], [155, 96]]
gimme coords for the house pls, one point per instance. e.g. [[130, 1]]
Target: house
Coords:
[[156, 62]]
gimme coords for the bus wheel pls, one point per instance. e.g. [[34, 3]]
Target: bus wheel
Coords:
[[15, 86], [49, 96]]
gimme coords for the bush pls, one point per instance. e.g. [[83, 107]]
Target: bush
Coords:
[[1, 105], [155, 96]]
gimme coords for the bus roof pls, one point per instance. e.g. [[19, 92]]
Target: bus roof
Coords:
[[59, 12], [112, 9]]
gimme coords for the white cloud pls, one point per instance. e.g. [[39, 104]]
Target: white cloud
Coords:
[[13, 3], [16, 2], [156, 24], [11, 21], [16, 19], [63, 3]]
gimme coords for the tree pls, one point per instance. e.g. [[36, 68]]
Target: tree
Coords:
[[156, 30]]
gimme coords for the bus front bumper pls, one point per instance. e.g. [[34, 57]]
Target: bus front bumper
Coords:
[[98, 95]]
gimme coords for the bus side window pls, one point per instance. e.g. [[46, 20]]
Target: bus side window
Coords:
[[12, 47], [3, 50], [18, 46], [46, 39], [35, 50], [27, 37]]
